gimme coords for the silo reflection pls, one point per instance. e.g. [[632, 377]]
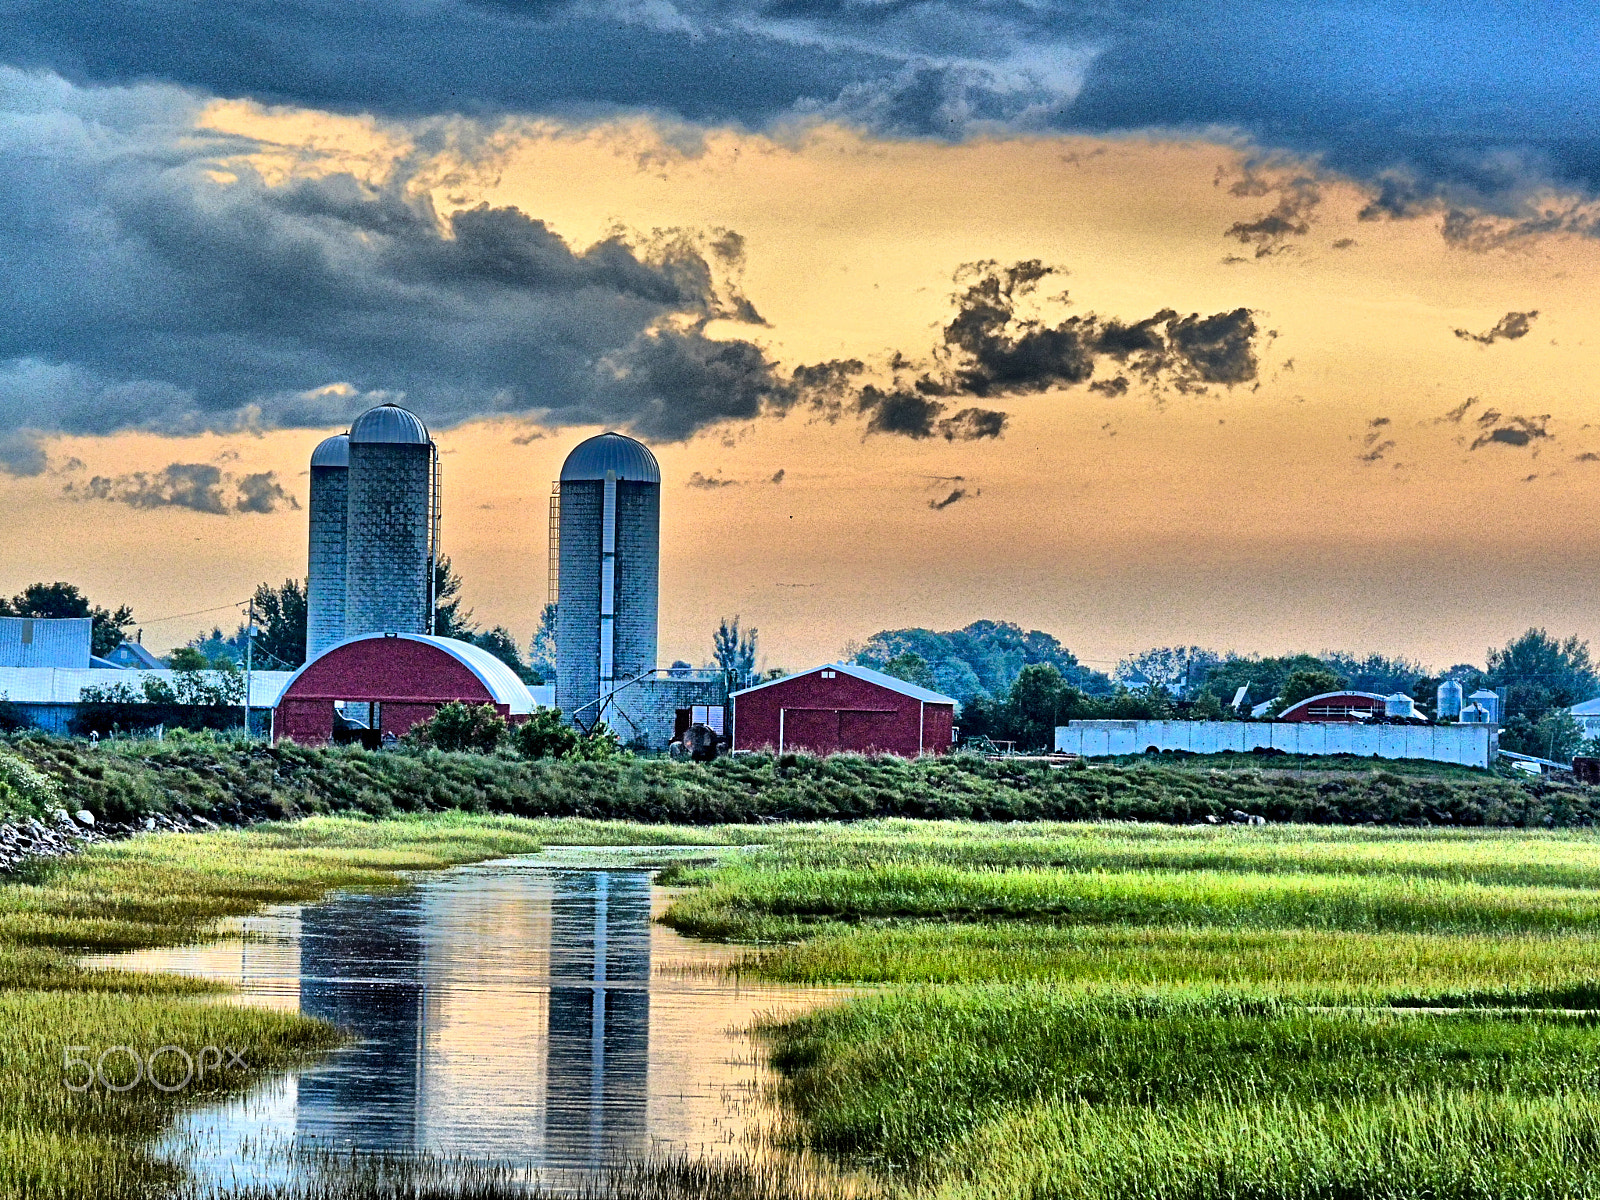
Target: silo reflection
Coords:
[[598, 1074]]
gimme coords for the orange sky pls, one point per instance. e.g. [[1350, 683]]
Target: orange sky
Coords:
[[1244, 519]]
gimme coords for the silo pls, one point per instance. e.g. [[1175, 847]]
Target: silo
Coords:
[[609, 548], [330, 470], [393, 524], [1448, 700]]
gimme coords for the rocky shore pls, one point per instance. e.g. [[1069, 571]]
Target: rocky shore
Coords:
[[66, 833]]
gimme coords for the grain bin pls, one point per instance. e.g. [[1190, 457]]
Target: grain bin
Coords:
[[391, 539]]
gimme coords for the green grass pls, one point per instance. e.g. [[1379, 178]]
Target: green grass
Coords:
[[1112, 1011]]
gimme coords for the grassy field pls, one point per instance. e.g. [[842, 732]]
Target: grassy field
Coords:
[[1115, 1011]]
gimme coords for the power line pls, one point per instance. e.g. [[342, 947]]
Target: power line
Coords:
[[199, 612]]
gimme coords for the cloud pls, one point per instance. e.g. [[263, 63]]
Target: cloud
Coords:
[[1516, 431], [1510, 327], [708, 482], [201, 487], [1271, 232], [777, 476], [953, 497], [1455, 415]]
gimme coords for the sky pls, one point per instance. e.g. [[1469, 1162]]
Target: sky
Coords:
[[1262, 328]]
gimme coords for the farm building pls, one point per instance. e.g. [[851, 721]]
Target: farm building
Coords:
[[376, 684], [1350, 707], [843, 707]]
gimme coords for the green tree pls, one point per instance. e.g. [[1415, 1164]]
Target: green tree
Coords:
[[545, 735], [500, 642], [475, 728], [735, 650], [64, 600], [448, 619], [188, 658], [542, 653], [1540, 674], [1302, 685], [280, 625], [1035, 705], [911, 667]]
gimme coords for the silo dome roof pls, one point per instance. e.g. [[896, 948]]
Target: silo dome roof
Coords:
[[389, 423], [631, 460], [332, 452]]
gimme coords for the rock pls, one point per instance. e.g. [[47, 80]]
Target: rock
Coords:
[[59, 815], [84, 817], [149, 822]]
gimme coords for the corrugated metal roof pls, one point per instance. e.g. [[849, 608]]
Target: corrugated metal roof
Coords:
[[389, 423], [866, 675], [500, 680], [630, 459], [46, 685], [45, 641], [333, 452]]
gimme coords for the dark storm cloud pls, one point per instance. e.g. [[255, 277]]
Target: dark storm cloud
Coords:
[[1508, 328], [709, 482], [953, 497], [1473, 105], [139, 292], [1509, 431], [149, 281], [202, 487]]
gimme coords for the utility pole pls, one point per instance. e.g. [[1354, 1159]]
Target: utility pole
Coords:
[[249, 645]]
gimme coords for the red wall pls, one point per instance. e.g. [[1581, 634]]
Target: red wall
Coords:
[[825, 716], [409, 679]]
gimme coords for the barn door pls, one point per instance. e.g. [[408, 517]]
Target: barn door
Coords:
[[814, 729], [864, 730]]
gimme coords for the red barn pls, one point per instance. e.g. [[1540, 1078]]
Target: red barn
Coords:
[[843, 707], [384, 683], [1339, 708]]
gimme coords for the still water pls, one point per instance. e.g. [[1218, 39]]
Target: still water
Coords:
[[527, 1011]]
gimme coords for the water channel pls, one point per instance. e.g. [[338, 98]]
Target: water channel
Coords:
[[526, 1011]]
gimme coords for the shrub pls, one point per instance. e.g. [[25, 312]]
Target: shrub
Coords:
[[23, 789], [544, 735], [458, 726]]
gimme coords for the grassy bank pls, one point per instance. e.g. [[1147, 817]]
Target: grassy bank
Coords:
[[1136, 1011], [234, 781]]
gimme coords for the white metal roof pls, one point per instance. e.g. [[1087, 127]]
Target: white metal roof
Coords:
[[62, 685], [45, 641], [388, 423], [866, 675], [500, 680], [1589, 708], [629, 458]]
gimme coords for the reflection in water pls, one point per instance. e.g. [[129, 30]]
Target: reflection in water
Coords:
[[515, 1012], [597, 1082]]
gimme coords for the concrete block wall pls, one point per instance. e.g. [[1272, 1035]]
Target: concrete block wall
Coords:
[[578, 607], [638, 576], [1467, 745], [644, 713], [325, 573], [388, 539]]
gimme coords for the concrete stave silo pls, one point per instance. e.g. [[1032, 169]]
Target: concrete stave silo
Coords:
[[609, 547], [325, 561], [391, 538]]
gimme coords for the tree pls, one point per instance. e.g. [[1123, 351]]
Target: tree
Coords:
[[280, 625], [474, 728], [735, 651], [1540, 674], [545, 735], [64, 600], [984, 658], [1034, 704], [911, 667], [542, 652], [1175, 668], [448, 619], [500, 643], [1302, 685]]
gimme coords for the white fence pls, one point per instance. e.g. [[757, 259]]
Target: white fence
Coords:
[[1469, 745]]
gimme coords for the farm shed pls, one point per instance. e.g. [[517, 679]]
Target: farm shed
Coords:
[[384, 683], [843, 707]]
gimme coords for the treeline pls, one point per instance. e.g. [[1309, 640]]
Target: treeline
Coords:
[[1540, 676], [238, 781]]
